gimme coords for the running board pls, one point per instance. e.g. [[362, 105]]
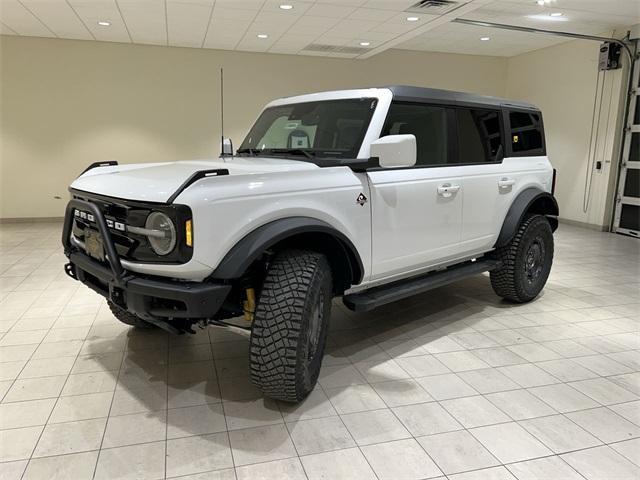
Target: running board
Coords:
[[377, 296]]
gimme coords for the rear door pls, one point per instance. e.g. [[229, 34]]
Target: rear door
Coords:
[[501, 153], [487, 182]]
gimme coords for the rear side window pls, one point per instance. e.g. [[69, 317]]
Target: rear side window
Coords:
[[479, 135], [527, 137], [427, 123]]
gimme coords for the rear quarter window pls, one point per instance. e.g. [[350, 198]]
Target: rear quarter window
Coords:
[[526, 133]]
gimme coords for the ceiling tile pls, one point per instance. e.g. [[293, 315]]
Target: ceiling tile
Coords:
[[59, 17], [93, 11], [4, 30], [254, 5], [372, 14], [15, 16], [187, 22], [330, 10], [351, 28], [146, 20], [396, 5]]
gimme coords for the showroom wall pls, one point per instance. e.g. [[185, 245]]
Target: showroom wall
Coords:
[[68, 103], [562, 81]]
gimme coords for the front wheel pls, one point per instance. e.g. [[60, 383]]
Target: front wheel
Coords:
[[526, 261], [289, 329]]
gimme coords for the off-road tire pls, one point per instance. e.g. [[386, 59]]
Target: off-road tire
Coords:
[[294, 305], [512, 281], [128, 317]]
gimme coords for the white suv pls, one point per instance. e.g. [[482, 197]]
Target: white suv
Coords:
[[373, 195]]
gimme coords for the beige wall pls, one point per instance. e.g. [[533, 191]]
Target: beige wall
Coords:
[[561, 80], [68, 103], [65, 104]]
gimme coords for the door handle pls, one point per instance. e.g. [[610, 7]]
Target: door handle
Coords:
[[506, 182], [447, 190]]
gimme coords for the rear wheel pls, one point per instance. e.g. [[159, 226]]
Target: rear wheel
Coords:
[[128, 317], [289, 329], [526, 261]]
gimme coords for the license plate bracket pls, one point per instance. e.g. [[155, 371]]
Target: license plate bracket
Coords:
[[93, 244]]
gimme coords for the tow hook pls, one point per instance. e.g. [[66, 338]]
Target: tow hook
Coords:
[[70, 270]]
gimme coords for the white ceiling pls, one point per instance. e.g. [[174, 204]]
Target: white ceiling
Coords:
[[236, 24]]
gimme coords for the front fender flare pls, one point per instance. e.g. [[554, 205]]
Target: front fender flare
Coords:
[[530, 200], [248, 249]]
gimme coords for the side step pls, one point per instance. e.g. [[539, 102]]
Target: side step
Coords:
[[376, 296]]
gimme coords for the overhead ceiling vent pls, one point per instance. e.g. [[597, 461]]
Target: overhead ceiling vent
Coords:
[[319, 47], [434, 7]]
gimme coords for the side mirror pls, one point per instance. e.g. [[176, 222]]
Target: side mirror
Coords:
[[226, 149], [395, 151]]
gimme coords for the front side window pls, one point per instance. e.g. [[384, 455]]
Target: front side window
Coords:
[[479, 135], [427, 123], [330, 128], [526, 133]]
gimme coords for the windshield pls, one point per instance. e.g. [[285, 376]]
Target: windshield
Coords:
[[330, 128]]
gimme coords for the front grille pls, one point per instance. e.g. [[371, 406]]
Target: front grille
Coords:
[[119, 214]]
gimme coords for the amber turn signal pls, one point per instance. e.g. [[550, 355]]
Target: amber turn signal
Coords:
[[188, 233]]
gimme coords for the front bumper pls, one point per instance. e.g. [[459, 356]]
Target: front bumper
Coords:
[[154, 299]]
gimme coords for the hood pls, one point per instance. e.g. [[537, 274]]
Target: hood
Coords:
[[156, 182]]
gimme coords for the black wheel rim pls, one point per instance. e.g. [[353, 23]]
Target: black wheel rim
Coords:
[[534, 260], [315, 327]]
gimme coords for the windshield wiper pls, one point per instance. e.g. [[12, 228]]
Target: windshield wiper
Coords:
[[292, 151], [250, 151]]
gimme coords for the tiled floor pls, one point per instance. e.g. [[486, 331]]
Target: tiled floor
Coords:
[[453, 383]]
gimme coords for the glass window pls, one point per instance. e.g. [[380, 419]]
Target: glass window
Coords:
[[634, 151], [427, 123], [479, 137], [630, 217], [632, 183], [526, 133], [331, 128]]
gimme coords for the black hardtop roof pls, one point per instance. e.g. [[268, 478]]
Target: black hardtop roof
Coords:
[[421, 94]]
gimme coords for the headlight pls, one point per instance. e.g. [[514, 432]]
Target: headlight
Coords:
[[164, 240]]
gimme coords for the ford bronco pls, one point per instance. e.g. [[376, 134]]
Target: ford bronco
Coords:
[[369, 194]]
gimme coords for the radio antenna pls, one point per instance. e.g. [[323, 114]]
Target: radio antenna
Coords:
[[222, 107], [226, 147]]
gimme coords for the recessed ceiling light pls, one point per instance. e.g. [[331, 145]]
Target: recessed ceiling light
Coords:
[[263, 35], [413, 19], [556, 14], [541, 2], [104, 23], [549, 18], [485, 39], [286, 6], [365, 44]]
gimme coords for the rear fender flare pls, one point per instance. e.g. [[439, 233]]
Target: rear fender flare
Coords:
[[530, 200]]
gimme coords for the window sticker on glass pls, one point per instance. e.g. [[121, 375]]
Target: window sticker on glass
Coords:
[[291, 125]]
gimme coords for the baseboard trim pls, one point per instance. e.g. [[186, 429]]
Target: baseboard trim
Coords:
[[31, 220], [590, 226]]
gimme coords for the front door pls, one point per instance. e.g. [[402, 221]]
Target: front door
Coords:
[[416, 212]]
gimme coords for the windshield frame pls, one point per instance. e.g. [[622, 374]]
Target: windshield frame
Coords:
[[315, 155]]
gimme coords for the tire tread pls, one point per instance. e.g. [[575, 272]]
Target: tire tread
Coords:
[[277, 326]]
